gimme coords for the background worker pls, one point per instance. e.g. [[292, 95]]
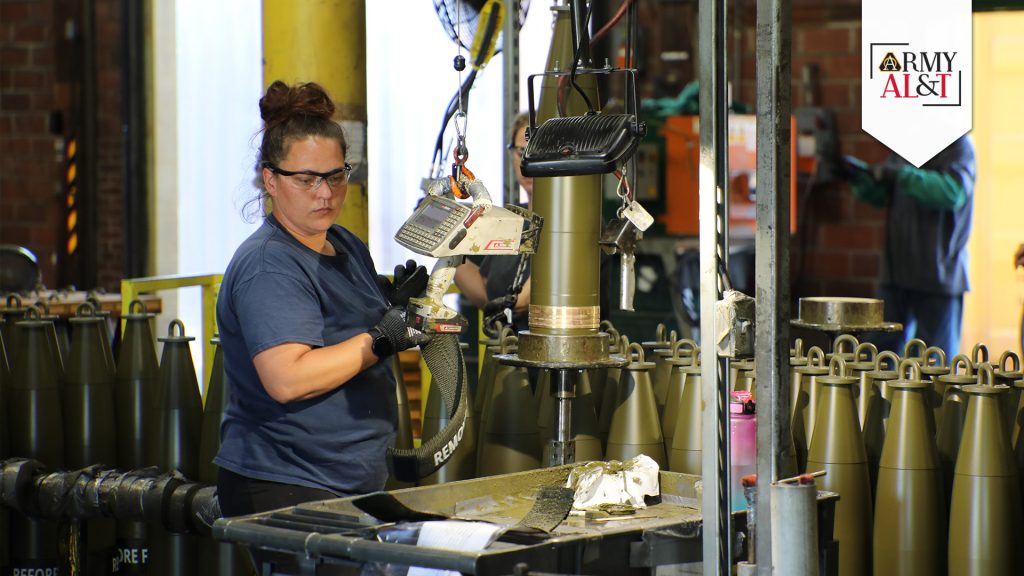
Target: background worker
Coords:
[[486, 285], [925, 261], [304, 327]]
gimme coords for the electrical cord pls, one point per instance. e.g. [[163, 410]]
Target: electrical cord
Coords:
[[578, 42], [623, 8]]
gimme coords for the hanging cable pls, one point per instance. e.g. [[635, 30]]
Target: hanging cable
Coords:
[[578, 32], [626, 4], [633, 23], [460, 60]]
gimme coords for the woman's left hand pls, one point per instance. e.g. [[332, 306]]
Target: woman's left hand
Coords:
[[409, 281]]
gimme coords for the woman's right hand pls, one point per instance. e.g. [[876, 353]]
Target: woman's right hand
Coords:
[[392, 335]]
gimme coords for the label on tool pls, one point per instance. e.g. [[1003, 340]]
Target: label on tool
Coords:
[[636, 214]]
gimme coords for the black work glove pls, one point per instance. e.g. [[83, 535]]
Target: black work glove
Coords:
[[409, 281], [499, 304], [494, 310], [391, 334]]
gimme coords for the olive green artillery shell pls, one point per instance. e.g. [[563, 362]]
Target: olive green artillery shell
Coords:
[[685, 451], [90, 436], [676, 382], [213, 409], [862, 391], [876, 418], [566, 267], [953, 416], [796, 360], [176, 441], [985, 517], [35, 427], [599, 376], [608, 403], [136, 395], [838, 448], [509, 440], [176, 444], [491, 371], [219, 558], [484, 381], [635, 427], [910, 517], [89, 420], [659, 377], [804, 395], [136, 389]]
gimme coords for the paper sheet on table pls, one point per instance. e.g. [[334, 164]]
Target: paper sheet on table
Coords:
[[453, 535]]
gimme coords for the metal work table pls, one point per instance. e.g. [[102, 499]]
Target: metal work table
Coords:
[[336, 534]]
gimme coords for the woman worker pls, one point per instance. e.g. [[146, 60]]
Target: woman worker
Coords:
[[304, 326]]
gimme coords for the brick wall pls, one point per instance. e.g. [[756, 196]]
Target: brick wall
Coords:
[[110, 145], [842, 237], [30, 172], [38, 68]]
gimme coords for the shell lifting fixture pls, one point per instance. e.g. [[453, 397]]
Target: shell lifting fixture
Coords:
[[447, 230]]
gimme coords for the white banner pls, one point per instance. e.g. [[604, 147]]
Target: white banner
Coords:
[[917, 71]]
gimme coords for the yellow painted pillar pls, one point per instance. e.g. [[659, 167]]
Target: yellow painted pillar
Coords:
[[324, 41]]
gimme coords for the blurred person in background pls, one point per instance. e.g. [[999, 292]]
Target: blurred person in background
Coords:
[[924, 270]]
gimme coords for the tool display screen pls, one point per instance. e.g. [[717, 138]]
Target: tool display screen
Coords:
[[432, 216]]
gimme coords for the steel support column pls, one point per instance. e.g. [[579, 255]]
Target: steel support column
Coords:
[[774, 456], [136, 198], [772, 261], [510, 87], [714, 250]]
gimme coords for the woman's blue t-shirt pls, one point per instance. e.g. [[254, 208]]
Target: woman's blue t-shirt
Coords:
[[276, 291]]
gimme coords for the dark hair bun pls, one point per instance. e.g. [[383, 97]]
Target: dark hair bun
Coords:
[[282, 102]]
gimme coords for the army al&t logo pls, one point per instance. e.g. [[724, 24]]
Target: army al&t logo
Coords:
[[916, 92], [934, 78]]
